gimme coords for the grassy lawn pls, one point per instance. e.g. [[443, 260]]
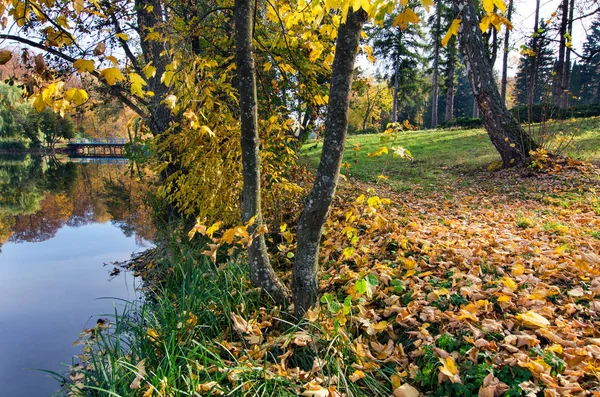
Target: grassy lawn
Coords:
[[446, 156]]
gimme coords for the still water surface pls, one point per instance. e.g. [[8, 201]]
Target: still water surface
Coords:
[[59, 224]]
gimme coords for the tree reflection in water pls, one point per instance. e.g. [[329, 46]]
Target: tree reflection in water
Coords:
[[38, 196]]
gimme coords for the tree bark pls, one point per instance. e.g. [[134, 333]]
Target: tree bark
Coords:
[[305, 287], [395, 99], [511, 141], [562, 47], [436, 56], [449, 113], [533, 70], [261, 272], [505, 54]]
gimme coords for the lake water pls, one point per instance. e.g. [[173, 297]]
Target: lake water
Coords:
[[60, 223]]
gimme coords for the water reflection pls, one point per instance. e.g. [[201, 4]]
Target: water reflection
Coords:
[[40, 195], [59, 223]]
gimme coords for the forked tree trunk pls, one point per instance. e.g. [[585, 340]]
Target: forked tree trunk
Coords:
[[510, 140], [305, 287], [261, 272]]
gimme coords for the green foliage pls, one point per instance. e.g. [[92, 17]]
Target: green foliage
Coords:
[[462, 123], [13, 144], [13, 110]]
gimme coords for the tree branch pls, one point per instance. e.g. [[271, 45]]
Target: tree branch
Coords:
[[118, 92]]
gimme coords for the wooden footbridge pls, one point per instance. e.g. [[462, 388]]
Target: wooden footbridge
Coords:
[[97, 147]]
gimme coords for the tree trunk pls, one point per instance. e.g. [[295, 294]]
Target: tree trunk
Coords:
[[395, 99], [449, 113], [150, 15], [505, 54], [305, 287], [533, 70], [261, 272], [511, 141], [562, 47], [566, 67], [436, 56]]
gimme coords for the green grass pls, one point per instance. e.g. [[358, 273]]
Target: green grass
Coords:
[[182, 341], [446, 156]]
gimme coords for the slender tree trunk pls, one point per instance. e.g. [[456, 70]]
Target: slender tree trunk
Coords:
[[533, 70], [562, 47], [436, 56], [511, 141], [505, 54], [261, 272], [305, 287], [449, 113], [395, 99], [566, 69]]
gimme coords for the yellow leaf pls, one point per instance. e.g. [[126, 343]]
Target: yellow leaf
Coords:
[[5, 56], [484, 25], [84, 65], [501, 5], [122, 36], [149, 71], [356, 376], [77, 96], [267, 66], [379, 152], [504, 298], [427, 4], [211, 230], [78, 5], [453, 30], [38, 103], [488, 5], [137, 84], [152, 333], [364, 4], [112, 75], [449, 369], [405, 17], [207, 130], [517, 269], [509, 283], [113, 60], [348, 253], [533, 319]]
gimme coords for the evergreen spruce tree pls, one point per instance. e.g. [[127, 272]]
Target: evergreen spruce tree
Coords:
[[400, 53], [543, 61], [590, 68]]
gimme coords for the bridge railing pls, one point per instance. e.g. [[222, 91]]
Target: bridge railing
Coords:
[[98, 141]]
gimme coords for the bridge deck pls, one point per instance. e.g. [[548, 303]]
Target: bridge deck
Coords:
[[98, 141]]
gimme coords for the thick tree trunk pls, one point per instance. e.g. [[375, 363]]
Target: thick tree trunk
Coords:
[[154, 51], [505, 54], [305, 287], [436, 56], [449, 113], [510, 140], [261, 272]]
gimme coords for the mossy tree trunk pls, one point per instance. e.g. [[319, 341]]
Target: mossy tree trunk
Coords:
[[261, 271], [316, 207]]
